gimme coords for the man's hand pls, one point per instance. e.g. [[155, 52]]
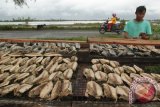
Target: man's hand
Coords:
[[144, 36]]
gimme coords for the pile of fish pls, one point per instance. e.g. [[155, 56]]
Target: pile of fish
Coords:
[[39, 48], [107, 79], [42, 77], [117, 50]]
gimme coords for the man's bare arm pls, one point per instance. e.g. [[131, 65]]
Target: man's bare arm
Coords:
[[125, 34]]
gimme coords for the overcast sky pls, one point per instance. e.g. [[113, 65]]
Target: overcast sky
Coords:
[[78, 9]]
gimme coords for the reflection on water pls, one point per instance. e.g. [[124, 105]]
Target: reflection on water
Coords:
[[49, 22]]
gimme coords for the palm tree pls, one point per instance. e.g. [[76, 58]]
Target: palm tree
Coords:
[[20, 2]]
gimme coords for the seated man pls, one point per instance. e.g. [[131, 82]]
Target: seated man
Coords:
[[40, 26], [138, 28], [112, 22]]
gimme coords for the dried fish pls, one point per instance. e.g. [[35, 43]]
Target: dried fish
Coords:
[[28, 80], [59, 60], [104, 61], [4, 83], [24, 60], [51, 54], [21, 89], [53, 68], [63, 67], [126, 79], [107, 68], [6, 68], [33, 54], [66, 60], [21, 76], [95, 61], [74, 66], [74, 59], [11, 77], [7, 89], [138, 69], [56, 90], [110, 92], [38, 60], [36, 90], [123, 91], [114, 64], [89, 74], [94, 90], [129, 69], [133, 75], [31, 61], [66, 88], [114, 79], [42, 77], [48, 67], [38, 69], [56, 76], [45, 61], [101, 76], [147, 75], [68, 74], [3, 76], [46, 90], [156, 76]]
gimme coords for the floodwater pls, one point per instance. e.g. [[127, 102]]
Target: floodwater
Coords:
[[50, 22]]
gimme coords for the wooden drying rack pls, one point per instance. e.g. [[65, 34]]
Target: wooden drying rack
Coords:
[[98, 40], [103, 40]]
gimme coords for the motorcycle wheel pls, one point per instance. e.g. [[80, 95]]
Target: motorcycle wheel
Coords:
[[118, 32], [102, 31]]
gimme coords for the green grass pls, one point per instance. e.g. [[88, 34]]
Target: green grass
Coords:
[[152, 69], [52, 27], [156, 28], [155, 36], [80, 38], [78, 26], [16, 27], [110, 35]]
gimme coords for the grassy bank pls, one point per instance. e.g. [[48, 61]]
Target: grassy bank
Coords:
[[84, 38], [152, 69], [89, 26], [80, 38]]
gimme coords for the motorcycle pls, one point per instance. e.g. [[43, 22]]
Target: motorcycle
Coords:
[[114, 28]]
